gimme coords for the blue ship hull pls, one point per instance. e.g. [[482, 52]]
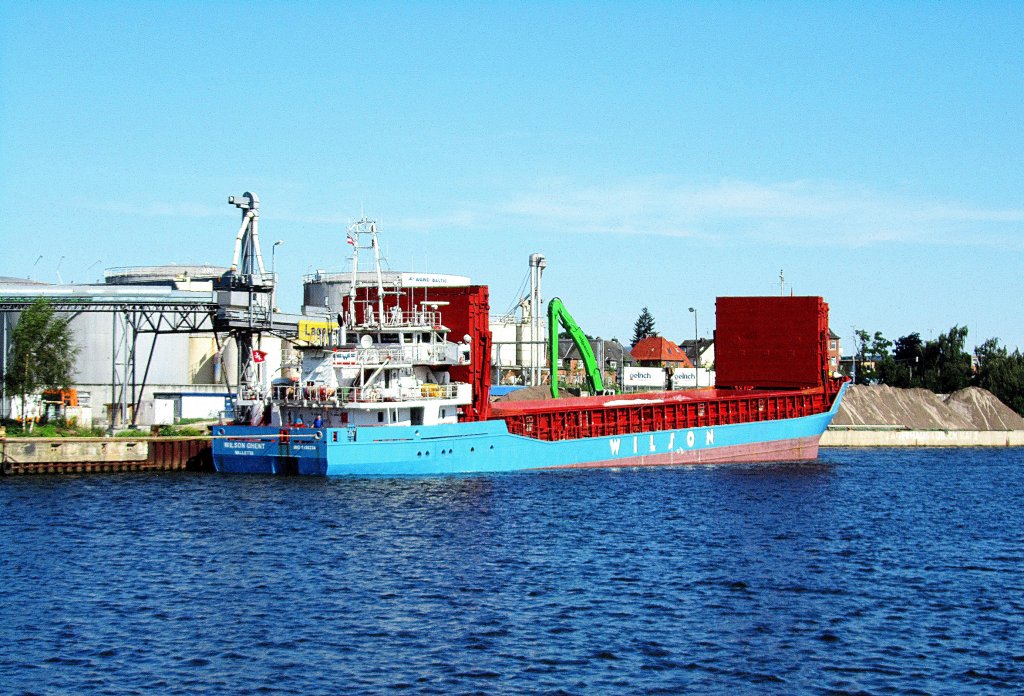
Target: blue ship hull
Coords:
[[488, 447]]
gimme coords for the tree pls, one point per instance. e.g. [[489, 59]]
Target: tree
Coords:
[[873, 359], [907, 356], [945, 365], [860, 343], [42, 352], [1002, 373], [643, 327], [892, 373], [880, 346], [908, 348]]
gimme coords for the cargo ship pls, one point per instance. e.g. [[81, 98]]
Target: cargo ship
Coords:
[[387, 391]]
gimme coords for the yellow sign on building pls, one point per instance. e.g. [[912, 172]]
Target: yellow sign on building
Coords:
[[315, 333]]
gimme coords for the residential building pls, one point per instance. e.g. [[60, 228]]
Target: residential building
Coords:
[[611, 354], [834, 352], [704, 355], [658, 351]]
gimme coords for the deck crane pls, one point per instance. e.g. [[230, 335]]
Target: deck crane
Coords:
[[558, 315], [244, 305]]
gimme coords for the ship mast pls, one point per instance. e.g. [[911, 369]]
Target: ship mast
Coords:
[[356, 232]]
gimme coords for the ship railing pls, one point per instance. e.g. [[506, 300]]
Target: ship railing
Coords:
[[396, 318], [438, 353], [323, 395], [373, 394], [431, 353], [415, 318]]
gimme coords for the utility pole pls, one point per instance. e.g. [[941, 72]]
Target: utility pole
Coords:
[[696, 351], [537, 265]]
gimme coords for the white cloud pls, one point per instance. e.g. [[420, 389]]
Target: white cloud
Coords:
[[797, 213], [794, 213]]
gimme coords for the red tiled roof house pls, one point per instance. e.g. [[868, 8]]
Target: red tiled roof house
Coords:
[[657, 351]]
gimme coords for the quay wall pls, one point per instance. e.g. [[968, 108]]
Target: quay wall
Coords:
[[34, 455], [847, 437]]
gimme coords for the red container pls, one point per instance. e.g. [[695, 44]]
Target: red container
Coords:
[[771, 342]]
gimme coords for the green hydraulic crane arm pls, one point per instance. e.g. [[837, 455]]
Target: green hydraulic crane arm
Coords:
[[559, 315]]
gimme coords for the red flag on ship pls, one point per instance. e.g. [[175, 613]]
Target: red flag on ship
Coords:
[[349, 240], [259, 356]]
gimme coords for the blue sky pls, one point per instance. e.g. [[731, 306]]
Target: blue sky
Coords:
[[658, 154]]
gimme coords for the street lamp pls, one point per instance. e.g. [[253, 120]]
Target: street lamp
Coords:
[[273, 275], [696, 350]]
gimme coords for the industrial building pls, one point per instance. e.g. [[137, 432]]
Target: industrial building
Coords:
[[144, 334]]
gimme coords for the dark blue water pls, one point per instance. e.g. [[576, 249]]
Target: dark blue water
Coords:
[[876, 571]]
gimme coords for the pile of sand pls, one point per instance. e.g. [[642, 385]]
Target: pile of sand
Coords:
[[541, 391], [920, 409], [983, 409]]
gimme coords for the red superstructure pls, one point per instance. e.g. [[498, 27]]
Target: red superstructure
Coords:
[[467, 314], [465, 311]]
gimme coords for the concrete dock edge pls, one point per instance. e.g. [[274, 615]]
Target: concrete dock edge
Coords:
[[888, 437]]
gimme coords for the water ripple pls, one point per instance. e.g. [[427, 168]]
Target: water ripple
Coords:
[[867, 572]]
